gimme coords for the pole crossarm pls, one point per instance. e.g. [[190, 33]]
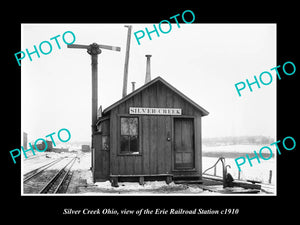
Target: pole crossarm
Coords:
[[78, 46], [93, 48], [110, 47]]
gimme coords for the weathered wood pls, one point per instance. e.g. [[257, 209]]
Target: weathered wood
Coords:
[[186, 175], [129, 161], [153, 145], [198, 143], [138, 163], [233, 190], [114, 182], [188, 181], [166, 85], [142, 180], [161, 140], [236, 183], [156, 134], [125, 77], [142, 175], [114, 162], [146, 144], [184, 143], [101, 157], [122, 162], [246, 185], [168, 146], [169, 179]]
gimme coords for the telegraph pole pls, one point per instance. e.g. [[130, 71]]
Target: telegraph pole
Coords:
[[125, 78]]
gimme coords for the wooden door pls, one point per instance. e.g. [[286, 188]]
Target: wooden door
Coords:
[[184, 143]]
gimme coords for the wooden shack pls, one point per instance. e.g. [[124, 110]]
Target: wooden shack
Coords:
[[153, 132]]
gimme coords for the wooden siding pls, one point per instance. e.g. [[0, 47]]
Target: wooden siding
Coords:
[[155, 150], [101, 157]]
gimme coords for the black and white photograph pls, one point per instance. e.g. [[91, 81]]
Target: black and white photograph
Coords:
[[149, 111]]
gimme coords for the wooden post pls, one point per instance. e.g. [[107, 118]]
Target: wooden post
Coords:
[[142, 180], [270, 176], [114, 182], [168, 179]]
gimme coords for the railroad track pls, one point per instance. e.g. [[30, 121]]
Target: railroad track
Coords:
[[48, 179], [37, 171]]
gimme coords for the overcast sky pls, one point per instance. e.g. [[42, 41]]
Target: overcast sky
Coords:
[[203, 61]]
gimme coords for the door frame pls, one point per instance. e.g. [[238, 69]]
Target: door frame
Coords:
[[173, 142]]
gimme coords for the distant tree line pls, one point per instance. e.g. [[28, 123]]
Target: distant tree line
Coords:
[[240, 140]]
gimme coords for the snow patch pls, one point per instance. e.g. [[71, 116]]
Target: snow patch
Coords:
[[134, 185]]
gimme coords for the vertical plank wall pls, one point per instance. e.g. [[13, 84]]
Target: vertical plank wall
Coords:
[[155, 149]]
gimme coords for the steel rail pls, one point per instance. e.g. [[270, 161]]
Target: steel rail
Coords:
[[47, 187], [37, 171], [64, 177]]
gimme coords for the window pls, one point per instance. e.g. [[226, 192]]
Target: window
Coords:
[[129, 138]]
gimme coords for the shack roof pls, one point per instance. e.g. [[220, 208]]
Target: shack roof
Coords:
[[158, 79]]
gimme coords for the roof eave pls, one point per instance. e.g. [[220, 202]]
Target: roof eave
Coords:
[[202, 110]]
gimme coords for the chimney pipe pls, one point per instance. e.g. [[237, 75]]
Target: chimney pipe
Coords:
[[133, 86], [148, 72]]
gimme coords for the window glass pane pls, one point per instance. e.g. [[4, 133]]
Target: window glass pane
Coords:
[[133, 126], [124, 126], [124, 143], [129, 134], [134, 144]]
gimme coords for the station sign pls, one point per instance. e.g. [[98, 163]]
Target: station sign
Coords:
[[154, 111]]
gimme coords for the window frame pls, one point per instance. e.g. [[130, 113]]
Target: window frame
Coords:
[[128, 153]]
